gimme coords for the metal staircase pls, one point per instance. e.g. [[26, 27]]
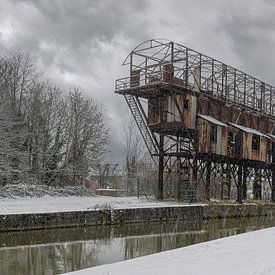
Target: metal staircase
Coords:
[[141, 121]]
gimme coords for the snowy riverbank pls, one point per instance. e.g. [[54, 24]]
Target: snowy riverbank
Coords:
[[55, 212], [26, 190], [249, 253], [74, 203]]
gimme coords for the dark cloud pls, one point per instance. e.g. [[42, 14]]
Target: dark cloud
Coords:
[[84, 42], [250, 29]]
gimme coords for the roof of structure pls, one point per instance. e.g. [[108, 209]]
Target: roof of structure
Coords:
[[213, 120], [249, 130], [272, 136]]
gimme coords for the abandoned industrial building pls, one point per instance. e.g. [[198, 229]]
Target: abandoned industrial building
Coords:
[[201, 119]]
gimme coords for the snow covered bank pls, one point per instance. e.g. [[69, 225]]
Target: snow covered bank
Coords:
[[55, 212], [73, 203], [249, 253], [22, 190]]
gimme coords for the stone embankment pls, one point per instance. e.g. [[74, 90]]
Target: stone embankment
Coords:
[[15, 222]]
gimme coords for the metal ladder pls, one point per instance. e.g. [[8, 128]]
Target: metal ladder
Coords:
[[141, 121]]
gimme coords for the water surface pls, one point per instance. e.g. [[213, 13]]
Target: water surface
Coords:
[[63, 250]]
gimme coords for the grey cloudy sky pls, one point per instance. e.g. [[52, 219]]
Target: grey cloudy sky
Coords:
[[84, 42]]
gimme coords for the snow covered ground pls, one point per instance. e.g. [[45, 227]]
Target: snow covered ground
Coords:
[[249, 253], [26, 190], [74, 203]]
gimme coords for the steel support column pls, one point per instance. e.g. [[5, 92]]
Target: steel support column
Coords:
[[240, 184], [161, 168], [273, 184], [245, 174], [208, 179]]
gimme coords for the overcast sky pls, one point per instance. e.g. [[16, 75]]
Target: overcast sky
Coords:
[[84, 42]]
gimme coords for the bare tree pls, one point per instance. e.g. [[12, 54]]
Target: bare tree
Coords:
[[17, 75], [134, 151], [46, 117], [105, 170], [13, 136], [44, 132], [86, 134]]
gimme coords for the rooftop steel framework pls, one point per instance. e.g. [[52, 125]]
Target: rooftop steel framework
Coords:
[[217, 79]]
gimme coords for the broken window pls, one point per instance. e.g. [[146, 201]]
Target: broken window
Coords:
[[256, 142], [186, 104], [214, 133]]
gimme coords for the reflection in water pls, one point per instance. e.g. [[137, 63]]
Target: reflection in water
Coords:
[[63, 250]]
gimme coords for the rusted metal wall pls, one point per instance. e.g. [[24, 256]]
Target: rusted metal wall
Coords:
[[235, 148], [246, 147], [228, 113], [166, 110], [264, 150], [224, 139], [203, 137], [187, 106], [204, 129], [201, 105], [249, 153]]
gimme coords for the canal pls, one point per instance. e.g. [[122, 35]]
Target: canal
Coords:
[[63, 250]]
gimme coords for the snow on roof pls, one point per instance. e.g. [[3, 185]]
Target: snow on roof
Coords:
[[249, 130], [213, 120], [272, 136]]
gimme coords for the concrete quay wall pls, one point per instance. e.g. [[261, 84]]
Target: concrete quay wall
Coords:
[[16, 222]]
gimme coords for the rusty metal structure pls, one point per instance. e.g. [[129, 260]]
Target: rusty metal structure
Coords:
[[200, 117]]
